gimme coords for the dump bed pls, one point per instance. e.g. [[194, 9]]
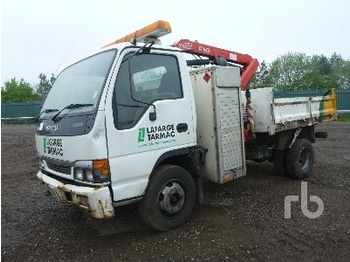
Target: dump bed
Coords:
[[273, 115]]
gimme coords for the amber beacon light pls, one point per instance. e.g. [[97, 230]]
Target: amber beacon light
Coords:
[[154, 30]]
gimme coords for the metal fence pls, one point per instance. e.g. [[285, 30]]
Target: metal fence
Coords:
[[343, 101], [19, 113], [25, 113]]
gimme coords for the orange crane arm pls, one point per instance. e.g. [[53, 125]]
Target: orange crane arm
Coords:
[[249, 64]]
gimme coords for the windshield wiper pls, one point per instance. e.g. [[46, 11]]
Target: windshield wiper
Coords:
[[45, 111], [71, 106]]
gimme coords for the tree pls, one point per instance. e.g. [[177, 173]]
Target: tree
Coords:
[[15, 91], [44, 86], [340, 75], [261, 77], [298, 71], [323, 64], [335, 58], [293, 71], [321, 69]]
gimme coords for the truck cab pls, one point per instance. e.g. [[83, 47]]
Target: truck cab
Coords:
[[110, 120]]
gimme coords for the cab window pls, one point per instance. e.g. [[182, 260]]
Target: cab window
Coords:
[[152, 77]]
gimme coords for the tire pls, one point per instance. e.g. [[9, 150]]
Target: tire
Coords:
[[300, 159], [279, 162], [169, 199]]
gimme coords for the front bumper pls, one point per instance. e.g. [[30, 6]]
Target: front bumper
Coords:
[[96, 200]]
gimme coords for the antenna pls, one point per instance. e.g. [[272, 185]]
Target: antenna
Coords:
[[64, 58]]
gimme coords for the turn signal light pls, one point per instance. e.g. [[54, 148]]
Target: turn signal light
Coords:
[[102, 166]]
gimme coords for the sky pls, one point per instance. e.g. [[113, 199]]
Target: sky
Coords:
[[41, 36]]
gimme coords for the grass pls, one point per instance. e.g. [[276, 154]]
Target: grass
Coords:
[[343, 119]]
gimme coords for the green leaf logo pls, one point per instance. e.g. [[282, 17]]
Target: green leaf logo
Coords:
[[44, 144], [142, 132]]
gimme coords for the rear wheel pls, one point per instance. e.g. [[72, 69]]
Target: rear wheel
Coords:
[[169, 198], [300, 159]]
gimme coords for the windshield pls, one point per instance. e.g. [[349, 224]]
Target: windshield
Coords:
[[81, 83]]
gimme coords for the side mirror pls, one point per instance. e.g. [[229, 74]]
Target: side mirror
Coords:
[[153, 115]]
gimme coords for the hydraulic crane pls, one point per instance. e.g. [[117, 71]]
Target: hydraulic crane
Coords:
[[248, 64]]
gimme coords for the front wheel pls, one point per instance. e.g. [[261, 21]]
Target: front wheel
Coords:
[[169, 198], [300, 159]]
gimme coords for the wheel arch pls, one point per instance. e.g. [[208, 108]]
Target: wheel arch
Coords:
[[308, 133], [285, 139], [178, 157]]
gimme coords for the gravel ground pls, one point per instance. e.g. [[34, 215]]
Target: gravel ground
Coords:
[[242, 220]]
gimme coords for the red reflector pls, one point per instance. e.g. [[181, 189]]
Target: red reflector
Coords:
[[206, 77]]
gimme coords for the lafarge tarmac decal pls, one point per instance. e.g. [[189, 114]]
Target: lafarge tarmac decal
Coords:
[[155, 135], [53, 146]]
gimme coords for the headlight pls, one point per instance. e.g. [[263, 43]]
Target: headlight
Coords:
[[96, 171], [79, 174], [89, 175], [41, 163]]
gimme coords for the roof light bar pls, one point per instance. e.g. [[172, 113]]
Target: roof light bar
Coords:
[[154, 30]]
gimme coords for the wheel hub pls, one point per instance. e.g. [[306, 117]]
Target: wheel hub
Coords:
[[172, 198], [304, 158]]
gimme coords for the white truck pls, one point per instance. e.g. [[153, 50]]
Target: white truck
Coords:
[[136, 122]]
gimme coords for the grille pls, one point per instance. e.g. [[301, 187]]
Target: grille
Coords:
[[59, 167]]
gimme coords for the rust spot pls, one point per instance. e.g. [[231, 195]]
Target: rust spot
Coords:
[[100, 211], [92, 212], [100, 204], [61, 187]]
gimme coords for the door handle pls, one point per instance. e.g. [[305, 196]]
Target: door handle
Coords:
[[182, 127]]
